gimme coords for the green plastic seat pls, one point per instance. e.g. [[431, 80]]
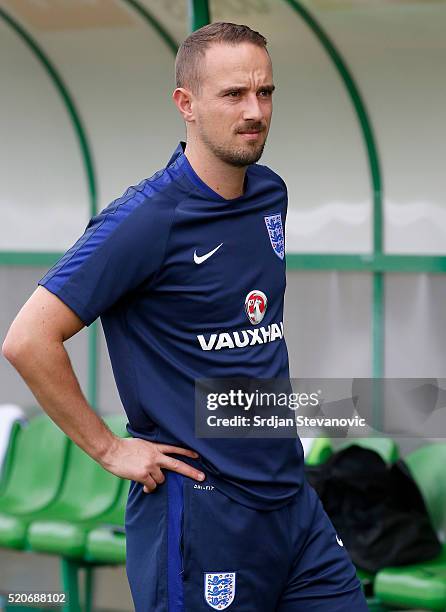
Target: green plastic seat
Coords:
[[88, 493], [106, 546], [385, 447], [5, 471], [421, 585], [106, 543], [320, 451], [427, 465], [35, 476]]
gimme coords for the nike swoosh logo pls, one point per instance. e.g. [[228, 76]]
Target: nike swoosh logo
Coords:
[[199, 259], [339, 541]]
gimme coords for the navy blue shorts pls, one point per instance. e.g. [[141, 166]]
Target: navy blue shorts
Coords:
[[190, 548]]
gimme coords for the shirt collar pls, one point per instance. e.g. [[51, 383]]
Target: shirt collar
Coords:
[[178, 151]]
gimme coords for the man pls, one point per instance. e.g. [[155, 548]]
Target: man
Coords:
[[181, 269]]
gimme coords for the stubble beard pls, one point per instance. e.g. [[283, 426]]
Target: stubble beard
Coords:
[[234, 156]]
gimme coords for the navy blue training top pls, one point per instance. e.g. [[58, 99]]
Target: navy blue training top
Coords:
[[171, 315]]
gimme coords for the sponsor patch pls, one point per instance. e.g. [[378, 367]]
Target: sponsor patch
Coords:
[[242, 338], [255, 306]]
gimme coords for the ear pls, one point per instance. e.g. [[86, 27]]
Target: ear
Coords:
[[183, 99]]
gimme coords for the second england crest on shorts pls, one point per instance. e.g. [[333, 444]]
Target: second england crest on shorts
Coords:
[[275, 231], [219, 589]]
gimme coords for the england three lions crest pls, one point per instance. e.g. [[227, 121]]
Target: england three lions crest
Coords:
[[219, 589], [275, 231]]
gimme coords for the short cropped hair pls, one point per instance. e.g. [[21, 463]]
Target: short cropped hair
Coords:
[[192, 51]]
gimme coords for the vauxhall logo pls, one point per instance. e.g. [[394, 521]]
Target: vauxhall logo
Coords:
[[240, 339], [255, 307]]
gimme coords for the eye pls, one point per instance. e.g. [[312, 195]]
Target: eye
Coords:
[[233, 94], [265, 93]]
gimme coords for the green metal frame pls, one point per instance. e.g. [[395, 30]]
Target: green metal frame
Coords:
[[67, 100], [367, 263], [362, 115], [377, 262], [47, 259], [199, 14], [375, 176], [11, 258], [153, 23], [414, 264]]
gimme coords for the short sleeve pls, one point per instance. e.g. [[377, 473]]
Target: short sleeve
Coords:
[[121, 247]]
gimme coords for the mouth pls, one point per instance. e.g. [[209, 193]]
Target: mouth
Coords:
[[250, 135]]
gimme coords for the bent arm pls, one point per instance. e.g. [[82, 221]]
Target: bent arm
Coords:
[[34, 345]]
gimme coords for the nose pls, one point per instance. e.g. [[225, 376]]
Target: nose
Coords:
[[252, 110]]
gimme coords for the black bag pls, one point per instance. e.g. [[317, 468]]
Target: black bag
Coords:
[[377, 510]]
